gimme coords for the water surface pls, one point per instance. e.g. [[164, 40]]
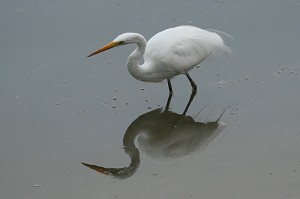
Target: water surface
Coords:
[[59, 109]]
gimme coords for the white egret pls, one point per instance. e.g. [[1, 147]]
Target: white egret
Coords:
[[169, 53]]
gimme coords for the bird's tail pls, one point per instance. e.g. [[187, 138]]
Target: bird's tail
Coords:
[[223, 47], [222, 33]]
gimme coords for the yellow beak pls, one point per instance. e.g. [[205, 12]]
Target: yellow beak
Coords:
[[104, 48]]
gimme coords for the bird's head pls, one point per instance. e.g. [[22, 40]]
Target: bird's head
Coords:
[[123, 39]]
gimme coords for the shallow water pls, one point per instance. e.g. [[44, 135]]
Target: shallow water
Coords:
[[60, 109]]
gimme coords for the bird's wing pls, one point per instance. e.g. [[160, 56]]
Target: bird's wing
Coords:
[[181, 48]]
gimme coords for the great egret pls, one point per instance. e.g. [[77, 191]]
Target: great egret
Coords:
[[169, 53]]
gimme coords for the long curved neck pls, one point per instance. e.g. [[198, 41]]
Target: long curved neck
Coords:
[[133, 152], [133, 65]]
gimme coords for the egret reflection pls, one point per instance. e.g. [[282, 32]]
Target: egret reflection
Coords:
[[163, 134]]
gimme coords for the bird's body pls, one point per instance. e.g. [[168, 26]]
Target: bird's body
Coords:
[[169, 53], [177, 50]]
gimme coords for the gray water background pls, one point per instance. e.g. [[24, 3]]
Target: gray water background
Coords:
[[59, 108]]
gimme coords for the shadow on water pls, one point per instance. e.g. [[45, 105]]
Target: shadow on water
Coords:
[[163, 134]]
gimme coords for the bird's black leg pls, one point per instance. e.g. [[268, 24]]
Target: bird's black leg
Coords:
[[194, 86], [189, 103], [170, 87], [168, 102]]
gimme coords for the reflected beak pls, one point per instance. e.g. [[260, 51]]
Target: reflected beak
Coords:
[[106, 47], [97, 168]]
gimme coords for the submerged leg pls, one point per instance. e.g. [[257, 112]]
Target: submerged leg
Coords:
[[189, 102], [194, 86], [168, 102], [170, 87]]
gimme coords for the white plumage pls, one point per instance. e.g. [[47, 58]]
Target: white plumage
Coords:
[[168, 53]]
